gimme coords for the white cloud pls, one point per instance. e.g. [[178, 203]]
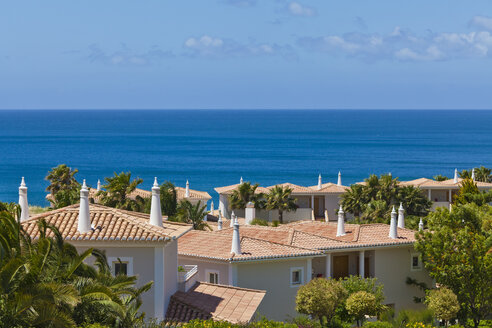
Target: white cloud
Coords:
[[126, 56], [403, 45], [297, 9], [482, 22], [212, 47]]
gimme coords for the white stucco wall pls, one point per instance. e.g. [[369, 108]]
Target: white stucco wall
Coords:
[[274, 277], [392, 267], [204, 266], [143, 268], [170, 271], [332, 203]]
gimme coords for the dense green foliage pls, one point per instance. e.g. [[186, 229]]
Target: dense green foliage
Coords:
[[469, 193], [443, 302], [64, 188], [482, 174], [169, 199], [45, 283], [372, 201], [320, 298], [361, 304], [456, 252], [245, 193], [193, 214], [280, 198], [118, 190]]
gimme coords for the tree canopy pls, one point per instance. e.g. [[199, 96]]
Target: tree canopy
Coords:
[[64, 188], [245, 193], [456, 252], [118, 189], [373, 200], [280, 198]]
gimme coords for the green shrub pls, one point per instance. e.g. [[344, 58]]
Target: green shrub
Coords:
[[275, 223], [361, 304], [259, 222], [377, 324], [443, 302], [405, 317]]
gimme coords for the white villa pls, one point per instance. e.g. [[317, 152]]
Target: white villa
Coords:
[[147, 247], [441, 193], [281, 259], [320, 201]]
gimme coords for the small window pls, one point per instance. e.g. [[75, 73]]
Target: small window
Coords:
[[416, 262], [296, 276], [120, 268], [213, 278], [121, 265]]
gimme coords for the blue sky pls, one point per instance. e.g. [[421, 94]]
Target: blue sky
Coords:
[[246, 54]]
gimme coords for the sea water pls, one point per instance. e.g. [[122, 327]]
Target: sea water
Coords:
[[212, 148]]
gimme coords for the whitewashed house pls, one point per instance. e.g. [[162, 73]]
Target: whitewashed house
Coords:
[[146, 246], [320, 201], [281, 259]]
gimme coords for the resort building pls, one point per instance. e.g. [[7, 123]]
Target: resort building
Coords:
[[320, 201], [441, 193], [146, 246], [281, 259]]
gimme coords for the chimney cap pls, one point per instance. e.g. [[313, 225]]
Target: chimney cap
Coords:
[[23, 183], [84, 185], [155, 183], [250, 205]]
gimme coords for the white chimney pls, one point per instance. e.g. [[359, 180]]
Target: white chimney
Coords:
[[84, 222], [320, 182], [233, 218], [421, 225], [24, 205], [219, 221], [212, 208], [155, 205], [393, 233], [98, 185], [187, 191], [455, 175], [401, 216], [236, 240], [241, 180], [249, 213], [473, 174], [339, 182], [341, 222]]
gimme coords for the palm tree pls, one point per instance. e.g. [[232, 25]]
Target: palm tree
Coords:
[[440, 177], [354, 199], [279, 198], [244, 194], [169, 199], [118, 190], [45, 283], [194, 214], [465, 174], [483, 174], [415, 202], [64, 188]]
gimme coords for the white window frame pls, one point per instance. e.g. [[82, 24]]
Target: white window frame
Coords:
[[207, 275], [128, 260], [420, 265], [301, 278]]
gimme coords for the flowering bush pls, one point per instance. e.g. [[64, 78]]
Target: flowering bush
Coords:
[[418, 325]]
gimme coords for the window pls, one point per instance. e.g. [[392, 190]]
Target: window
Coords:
[[416, 262], [121, 265], [120, 268], [212, 276], [296, 276]]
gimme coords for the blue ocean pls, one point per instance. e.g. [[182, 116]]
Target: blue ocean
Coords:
[[214, 148]]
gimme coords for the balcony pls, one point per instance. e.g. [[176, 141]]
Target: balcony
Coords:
[[187, 277]]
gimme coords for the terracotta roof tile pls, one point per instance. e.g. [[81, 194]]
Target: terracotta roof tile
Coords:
[[108, 224], [303, 238], [217, 245], [226, 190], [329, 188], [218, 302]]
